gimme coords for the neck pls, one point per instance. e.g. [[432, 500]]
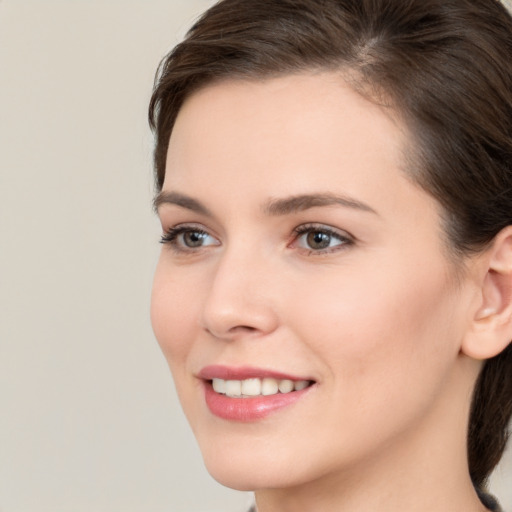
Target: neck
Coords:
[[420, 488], [424, 469]]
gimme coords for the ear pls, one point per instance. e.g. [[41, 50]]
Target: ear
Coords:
[[491, 325]]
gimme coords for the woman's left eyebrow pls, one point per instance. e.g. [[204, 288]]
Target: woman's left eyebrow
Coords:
[[303, 202]]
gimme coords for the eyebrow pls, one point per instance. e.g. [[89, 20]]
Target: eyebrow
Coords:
[[275, 207], [180, 200], [303, 202]]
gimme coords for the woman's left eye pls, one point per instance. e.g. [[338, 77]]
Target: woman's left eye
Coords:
[[320, 239]]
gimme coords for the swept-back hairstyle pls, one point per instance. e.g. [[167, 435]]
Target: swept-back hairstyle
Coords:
[[444, 66]]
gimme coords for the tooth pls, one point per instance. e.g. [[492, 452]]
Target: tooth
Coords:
[[251, 387], [219, 385], [233, 388], [256, 387], [301, 384], [269, 386], [285, 386]]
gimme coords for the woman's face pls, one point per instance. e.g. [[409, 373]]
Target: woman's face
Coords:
[[298, 250]]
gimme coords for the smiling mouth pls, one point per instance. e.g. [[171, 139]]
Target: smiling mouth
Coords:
[[256, 387], [248, 394]]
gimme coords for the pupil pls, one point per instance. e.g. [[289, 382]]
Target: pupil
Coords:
[[318, 240], [193, 239]]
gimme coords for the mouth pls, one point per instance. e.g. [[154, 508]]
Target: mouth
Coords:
[[249, 388], [249, 394]]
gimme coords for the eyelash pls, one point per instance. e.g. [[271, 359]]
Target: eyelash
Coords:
[[171, 238], [344, 239]]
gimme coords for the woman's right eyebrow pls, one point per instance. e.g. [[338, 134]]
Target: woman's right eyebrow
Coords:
[[179, 199]]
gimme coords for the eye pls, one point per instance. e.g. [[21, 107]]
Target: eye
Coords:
[[188, 238], [320, 239], [194, 239]]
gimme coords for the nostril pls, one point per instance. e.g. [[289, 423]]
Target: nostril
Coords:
[[233, 332], [246, 328], [227, 314]]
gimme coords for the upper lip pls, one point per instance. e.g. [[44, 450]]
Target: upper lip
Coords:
[[244, 372]]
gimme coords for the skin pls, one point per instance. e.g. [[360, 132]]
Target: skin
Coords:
[[377, 320]]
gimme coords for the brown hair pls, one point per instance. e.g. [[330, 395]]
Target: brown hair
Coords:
[[444, 65]]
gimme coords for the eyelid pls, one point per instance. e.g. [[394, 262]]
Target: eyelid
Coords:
[[345, 238], [171, 234], [171, 237]]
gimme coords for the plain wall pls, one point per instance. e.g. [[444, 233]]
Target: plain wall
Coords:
[[89, 420]]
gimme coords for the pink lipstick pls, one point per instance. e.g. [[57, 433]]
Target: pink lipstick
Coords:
[[250, 394]]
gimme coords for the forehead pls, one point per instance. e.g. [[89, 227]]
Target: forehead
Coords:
[[295, 124], [237, 143]]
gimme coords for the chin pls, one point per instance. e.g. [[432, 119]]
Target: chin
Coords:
[[252, 470], [236, 468], [238, 471], [249, 477], [239, 481]]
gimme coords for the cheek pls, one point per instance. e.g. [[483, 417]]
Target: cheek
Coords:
[[382, 335], [174, 312], [387, 348]]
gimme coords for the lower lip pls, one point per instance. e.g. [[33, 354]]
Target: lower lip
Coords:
[[249, 409]]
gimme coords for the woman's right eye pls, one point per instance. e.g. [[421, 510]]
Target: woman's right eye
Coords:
[[183, 238]]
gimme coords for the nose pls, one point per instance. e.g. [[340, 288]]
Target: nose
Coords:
[[241, 300]]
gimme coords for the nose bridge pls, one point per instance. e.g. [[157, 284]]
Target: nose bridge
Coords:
[[239, 300]]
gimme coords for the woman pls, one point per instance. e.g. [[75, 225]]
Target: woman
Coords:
[[334, 292]]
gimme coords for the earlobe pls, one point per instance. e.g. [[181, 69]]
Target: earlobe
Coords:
[[491, 329]]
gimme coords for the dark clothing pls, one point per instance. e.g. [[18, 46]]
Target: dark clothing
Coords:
[[489, 501]]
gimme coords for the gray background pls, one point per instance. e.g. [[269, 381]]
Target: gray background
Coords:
[[89, 420]]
